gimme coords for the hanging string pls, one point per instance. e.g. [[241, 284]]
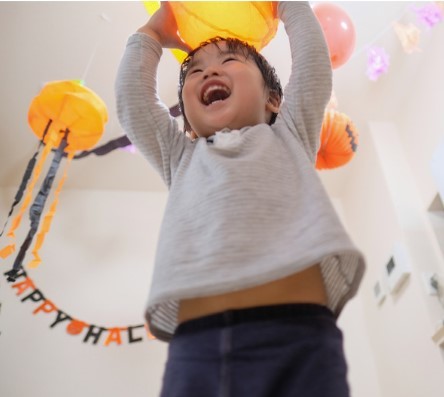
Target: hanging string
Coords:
[[378, 37], [105, 18]]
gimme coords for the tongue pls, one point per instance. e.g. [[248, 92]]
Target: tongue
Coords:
[[217, 95]]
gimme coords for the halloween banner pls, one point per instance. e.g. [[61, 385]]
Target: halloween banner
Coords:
[[92, 334]]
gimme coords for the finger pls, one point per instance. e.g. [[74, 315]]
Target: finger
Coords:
[[184, 46]]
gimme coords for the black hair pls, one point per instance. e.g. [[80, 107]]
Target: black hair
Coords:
[[268, 72]]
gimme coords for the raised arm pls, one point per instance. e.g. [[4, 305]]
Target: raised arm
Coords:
[[310, 83], [143, 116]]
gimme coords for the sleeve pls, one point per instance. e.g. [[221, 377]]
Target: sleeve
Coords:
[[142, 115], [310, 83]]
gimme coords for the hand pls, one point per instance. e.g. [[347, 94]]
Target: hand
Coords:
[[162, 27]]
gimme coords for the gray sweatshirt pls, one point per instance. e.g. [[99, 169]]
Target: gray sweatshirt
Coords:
[[245, 207]]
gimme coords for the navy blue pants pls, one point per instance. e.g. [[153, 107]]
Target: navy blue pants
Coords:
[[273, 351]]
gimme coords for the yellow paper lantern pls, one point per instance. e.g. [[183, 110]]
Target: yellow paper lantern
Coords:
[[255, 22]]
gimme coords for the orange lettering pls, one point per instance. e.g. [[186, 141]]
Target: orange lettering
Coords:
[[23, 286], [113, 336], [47, 307]]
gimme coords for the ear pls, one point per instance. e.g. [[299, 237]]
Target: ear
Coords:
[[273, 103]]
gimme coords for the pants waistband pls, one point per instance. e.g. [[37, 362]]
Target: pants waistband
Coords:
[[254, 314]]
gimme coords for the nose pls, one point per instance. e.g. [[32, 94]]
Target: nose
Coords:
[[211, 70]]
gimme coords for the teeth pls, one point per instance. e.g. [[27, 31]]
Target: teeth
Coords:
[[209, 90]]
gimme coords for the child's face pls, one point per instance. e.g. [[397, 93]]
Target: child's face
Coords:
[[224, 90]]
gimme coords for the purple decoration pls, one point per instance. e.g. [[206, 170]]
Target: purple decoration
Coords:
[[377, 62], [430, 14], [130, 148]]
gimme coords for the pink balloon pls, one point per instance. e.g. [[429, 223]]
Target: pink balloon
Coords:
[[339, 32]]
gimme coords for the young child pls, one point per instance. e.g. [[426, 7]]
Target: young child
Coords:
[[253, 265]]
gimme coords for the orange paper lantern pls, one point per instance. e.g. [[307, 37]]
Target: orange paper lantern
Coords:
[[66, 117], [255, 22], [339, 141], [70, 106]]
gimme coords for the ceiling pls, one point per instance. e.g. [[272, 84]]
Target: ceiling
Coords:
[[47, 41]]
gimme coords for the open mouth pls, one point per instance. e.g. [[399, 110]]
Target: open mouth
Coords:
[[215, 93]]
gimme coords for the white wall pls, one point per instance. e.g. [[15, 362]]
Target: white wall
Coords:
[[408, 363], [421, 119], [96, 267], [386, 201], [362, 375]]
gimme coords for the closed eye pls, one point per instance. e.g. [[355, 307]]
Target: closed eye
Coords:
[[195, 71], [229, 59]]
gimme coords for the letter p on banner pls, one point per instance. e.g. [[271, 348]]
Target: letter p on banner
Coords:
[[46, 307]]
